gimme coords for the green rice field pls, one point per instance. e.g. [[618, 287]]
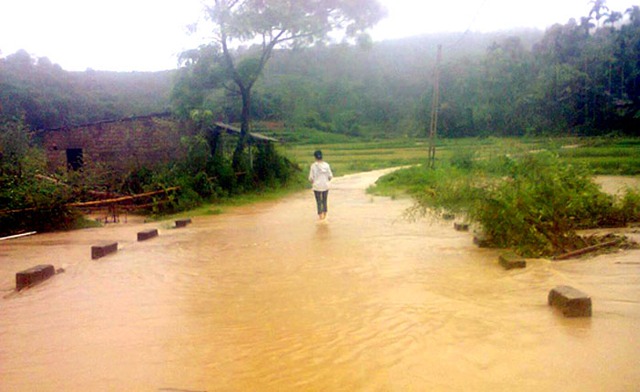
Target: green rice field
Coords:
[[614, 156]]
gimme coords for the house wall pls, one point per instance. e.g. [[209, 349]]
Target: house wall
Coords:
[[123, 145]]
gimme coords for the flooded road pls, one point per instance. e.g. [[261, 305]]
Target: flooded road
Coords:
[[264, 298]]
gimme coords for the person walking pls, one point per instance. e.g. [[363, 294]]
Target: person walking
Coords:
[[320, 175]]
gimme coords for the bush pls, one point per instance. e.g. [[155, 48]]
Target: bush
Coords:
[[535, 207], [206, 177], [462, 159], [28, 201]]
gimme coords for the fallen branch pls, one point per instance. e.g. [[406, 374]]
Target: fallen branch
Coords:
[[98, 202], [7, 212], [17, 236], [588, 249], [121, 199], [141, 206]]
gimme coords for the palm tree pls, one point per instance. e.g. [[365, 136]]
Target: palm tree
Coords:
[[586, 25], [612, 18], [634, 15], [599, 8]]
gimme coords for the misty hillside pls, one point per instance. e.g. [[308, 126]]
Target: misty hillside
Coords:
[[50, 97], [572, 78]]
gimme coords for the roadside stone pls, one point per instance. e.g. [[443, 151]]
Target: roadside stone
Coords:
[[183, 222], [481, 240], [511, 260], [459, 226], [572, 302], [34, 275], [101, 250], [147, 234]]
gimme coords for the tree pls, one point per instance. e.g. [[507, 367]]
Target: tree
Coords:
[[265, 25], [599, 8], [634, 15], [586, 25], [613, 18]]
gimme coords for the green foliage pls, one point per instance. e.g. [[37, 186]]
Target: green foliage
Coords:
[[307, 136], [462, 159], [531, 202], [208, 176], [629, 206], [356, 156], [272, 169], [540, 205], [135, 181], [27, 201], [611, 155]]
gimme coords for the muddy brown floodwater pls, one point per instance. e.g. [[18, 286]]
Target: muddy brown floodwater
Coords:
[[263, 298]]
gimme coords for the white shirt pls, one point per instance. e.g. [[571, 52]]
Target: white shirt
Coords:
[[320, 175]]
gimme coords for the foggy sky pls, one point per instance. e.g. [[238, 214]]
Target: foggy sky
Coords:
[[147, 35]]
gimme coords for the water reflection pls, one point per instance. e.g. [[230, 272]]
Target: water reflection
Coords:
[[322, 231]]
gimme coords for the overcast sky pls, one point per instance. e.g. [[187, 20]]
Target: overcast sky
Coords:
[[147, 35]]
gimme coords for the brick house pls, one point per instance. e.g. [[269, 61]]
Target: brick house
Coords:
[[125, 144], [122, 144]]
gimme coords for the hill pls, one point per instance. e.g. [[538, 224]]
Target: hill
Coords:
[[50, 97]]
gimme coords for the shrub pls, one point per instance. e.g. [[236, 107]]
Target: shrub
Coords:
[[28, 201], [536, 207], [462, 159], [540, 204]]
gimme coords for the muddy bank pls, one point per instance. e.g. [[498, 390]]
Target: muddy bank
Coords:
[[265, 298], [618, 184]]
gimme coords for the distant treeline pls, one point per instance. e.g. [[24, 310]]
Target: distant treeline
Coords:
[[576, 78]]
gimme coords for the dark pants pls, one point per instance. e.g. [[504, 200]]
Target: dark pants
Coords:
[[321, 200]]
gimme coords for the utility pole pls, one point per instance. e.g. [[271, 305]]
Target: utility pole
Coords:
[[435, 104]]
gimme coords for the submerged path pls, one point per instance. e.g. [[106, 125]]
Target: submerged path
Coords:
[[263, 298]]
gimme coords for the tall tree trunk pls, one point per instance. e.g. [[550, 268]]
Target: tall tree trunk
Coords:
[[246, 108], [244, 127]]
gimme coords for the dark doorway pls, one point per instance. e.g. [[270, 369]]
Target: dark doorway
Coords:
[[74, 158]]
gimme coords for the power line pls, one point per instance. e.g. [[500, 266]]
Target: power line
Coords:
[[435, 102], [468, 30]]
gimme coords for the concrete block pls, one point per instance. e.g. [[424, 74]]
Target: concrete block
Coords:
[[183, 222], [34, 275], [461, 226], [481, 240], [147, 234], [572, 302], [511, 260], [101, 250]]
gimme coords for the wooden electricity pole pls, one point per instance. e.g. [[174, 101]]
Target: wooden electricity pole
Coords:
[[435, 103]]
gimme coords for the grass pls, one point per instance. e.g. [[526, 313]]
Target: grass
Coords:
[[84, 223], [223, 205], [607, 156], [614, 156], [361, 156]]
